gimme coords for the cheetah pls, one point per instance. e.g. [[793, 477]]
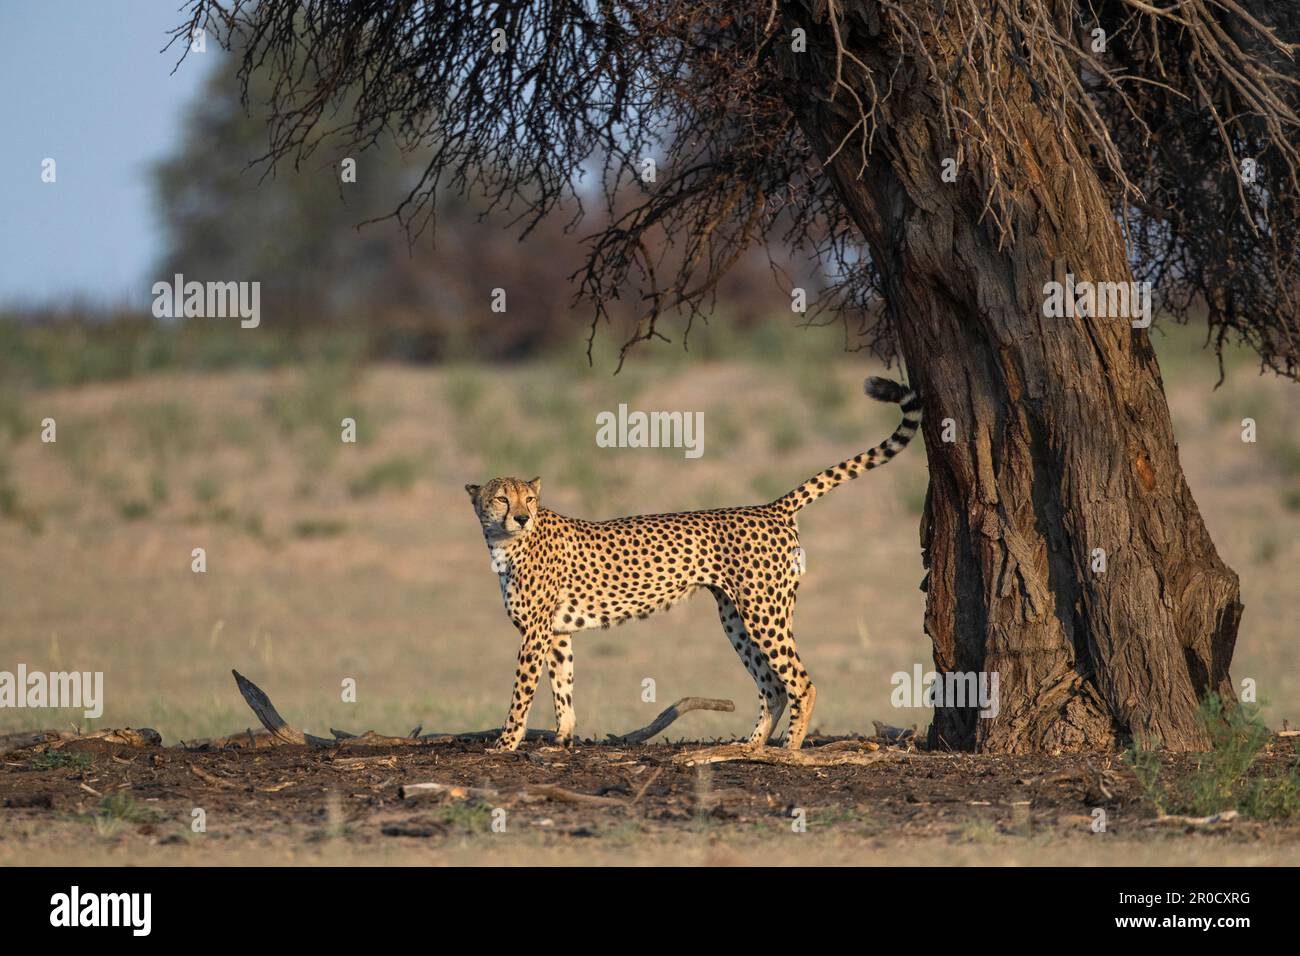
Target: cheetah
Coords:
[[563, 575]]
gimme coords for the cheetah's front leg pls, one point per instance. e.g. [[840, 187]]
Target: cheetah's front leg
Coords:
[[560, 664], [527, 674]]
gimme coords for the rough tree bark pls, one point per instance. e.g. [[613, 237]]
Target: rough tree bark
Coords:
[[1063, 438]]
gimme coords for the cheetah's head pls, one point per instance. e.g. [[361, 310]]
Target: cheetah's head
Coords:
[[506, 507]]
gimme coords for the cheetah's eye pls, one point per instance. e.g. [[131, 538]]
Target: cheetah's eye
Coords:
[[530, 500], [503, 499]]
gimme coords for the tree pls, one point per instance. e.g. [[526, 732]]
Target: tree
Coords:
[[948, 162]]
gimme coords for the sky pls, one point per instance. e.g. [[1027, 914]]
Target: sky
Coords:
[[86, 84]]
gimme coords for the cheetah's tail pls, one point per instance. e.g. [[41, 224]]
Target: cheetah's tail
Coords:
[[882, 390]]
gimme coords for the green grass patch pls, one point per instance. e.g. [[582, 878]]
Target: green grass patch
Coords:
[[61, 760], [468, 815], [125, 808], [1227, 776]]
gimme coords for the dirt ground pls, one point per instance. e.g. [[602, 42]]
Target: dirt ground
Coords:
[[107, 803]]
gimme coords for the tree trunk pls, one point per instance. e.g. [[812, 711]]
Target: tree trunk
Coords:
[[1060, 439]]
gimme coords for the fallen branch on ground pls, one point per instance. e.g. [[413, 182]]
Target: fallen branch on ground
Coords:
[[548, 791], [283, 732], [211, 778], [249, 739], [270, 717], [746, 753], [345, 740], [126, 736]]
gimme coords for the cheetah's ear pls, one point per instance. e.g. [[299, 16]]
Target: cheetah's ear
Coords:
[[536, 485], [473, 490]]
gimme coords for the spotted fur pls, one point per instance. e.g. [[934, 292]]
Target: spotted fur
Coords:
[[562, 575]]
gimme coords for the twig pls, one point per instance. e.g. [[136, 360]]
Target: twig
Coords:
[[212, 779], [646, 786]]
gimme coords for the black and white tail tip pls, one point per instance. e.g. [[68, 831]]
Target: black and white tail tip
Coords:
[[882, 390], [886, 390]]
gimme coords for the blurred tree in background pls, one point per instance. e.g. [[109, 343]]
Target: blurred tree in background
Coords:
[[328, 255]]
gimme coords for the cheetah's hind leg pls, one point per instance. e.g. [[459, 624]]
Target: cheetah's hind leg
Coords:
[[771, 689], [774, 642]]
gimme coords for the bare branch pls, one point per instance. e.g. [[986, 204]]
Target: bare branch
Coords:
[[670, 714]]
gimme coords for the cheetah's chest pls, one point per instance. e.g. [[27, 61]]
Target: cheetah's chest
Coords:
[[501, 565]]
